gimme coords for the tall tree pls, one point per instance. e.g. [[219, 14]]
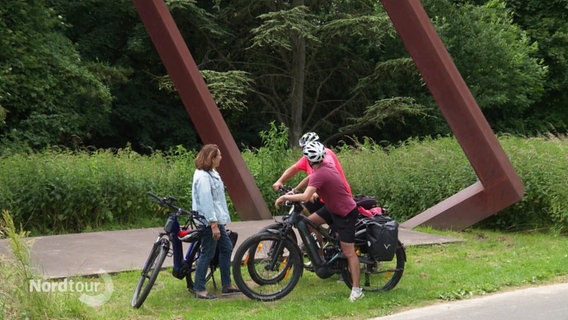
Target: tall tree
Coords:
[[496, 58], [307, 58], [48, 94], [546, 24], [146, 109]]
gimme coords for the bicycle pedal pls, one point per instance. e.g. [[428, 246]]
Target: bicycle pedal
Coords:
[[178, 274], [182, 271]]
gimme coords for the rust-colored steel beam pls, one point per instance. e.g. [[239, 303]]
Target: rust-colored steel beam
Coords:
[[499, 186], [203, 111]]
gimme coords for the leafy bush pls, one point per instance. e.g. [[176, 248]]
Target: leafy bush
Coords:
[[542, 164], [410, 178], [267, 163], [60, 191]]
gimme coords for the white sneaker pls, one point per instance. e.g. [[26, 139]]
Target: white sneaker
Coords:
[[356, 294]]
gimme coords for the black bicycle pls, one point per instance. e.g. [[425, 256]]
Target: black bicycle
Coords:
[[268, 265], [169, 243]]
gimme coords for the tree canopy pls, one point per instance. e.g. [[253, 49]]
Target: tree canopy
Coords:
[[48, 94], [85, 73]]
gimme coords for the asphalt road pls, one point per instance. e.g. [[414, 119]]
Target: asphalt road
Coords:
[[535, 303]]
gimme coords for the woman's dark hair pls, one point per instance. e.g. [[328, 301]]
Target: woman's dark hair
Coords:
[[204, 159]]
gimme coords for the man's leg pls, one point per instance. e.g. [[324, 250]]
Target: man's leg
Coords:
[[317, 219], [348, 250]]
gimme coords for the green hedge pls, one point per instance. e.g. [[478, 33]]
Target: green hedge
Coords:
[[55, 192], [58, 191], [419, 174]]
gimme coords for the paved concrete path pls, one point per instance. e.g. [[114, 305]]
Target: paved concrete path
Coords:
[[115, 251]]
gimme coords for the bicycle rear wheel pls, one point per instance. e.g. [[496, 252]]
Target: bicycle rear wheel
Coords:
[[191, 260], [379, 275], [267, 267], [150, 271]]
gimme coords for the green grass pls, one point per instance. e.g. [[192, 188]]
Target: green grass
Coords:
[[484, 262]]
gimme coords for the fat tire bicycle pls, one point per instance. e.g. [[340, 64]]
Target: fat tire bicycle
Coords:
[[268, 265], [168, 244]]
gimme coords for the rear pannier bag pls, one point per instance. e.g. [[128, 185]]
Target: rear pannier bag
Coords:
[[382, 237]]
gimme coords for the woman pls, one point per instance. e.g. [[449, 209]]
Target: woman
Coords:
[[208, 198]]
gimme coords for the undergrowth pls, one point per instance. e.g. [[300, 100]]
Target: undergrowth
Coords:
[[55, 192]]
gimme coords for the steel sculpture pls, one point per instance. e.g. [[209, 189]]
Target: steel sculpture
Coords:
[[498, 184]]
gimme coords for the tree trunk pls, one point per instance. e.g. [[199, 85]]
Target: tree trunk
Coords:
[[297, 92]]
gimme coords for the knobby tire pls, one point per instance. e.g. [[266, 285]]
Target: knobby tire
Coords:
[[379, 275], [150, 272], [267, 267]]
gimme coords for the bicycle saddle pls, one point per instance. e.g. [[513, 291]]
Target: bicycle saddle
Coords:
[[188, 235]]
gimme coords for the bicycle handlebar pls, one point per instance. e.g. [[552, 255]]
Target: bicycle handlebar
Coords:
[[286, 189], [168, 202]]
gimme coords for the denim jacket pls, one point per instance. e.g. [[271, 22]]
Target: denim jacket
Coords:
[[208, 196]]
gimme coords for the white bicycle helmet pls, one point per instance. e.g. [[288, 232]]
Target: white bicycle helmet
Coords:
[[314, 151], [307, 138]]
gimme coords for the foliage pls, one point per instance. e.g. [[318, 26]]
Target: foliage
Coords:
[[267, 163], [85, 73], [385, 110], [545, 23], [142, 115], [60, 191], [227, 88], [541, 164], [47, 94], [18, 300], [316, 57], [496, 58], [55, 192], [417, 175], [410, 178]]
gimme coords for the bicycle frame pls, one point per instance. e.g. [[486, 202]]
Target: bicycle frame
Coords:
[[324, 268], [268, 265], [307, 229]]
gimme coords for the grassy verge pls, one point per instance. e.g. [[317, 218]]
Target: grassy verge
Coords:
[[485, 262]]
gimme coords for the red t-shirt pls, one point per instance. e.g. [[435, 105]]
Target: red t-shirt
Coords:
[[304, 165], [327, 180]]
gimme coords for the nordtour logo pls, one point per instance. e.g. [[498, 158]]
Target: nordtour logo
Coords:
[[92, 293]]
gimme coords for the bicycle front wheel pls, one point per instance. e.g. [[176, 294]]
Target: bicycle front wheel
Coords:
[[267, 267], [379, 275], [150, 272]]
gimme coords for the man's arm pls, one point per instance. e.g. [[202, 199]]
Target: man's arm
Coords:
[[306, 196], [288, 173], [303, 183]]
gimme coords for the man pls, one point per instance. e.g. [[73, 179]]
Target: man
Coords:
[[302, 165], [340, 210]]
